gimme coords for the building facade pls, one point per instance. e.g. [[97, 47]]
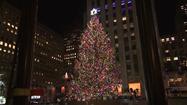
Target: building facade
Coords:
[[119, 20], [175, 61], [47, 67], [181, 16], [9, 23], [71, 49]]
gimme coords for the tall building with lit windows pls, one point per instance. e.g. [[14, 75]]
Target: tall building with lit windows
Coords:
[[71, 48], [120, 22], [9, 22], [47, 67], [174, 58]]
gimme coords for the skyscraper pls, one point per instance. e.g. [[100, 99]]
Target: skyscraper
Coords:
[[120, 22], [181, 16], [48, 69]]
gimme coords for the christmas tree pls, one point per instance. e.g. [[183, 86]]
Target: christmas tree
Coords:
[[98, 74]]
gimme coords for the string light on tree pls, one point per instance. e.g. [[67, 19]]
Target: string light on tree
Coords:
[[98, 72]]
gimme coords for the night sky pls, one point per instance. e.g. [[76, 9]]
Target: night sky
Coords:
[[65, 15]]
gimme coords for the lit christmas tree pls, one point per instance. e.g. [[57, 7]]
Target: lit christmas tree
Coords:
[[98, 73]]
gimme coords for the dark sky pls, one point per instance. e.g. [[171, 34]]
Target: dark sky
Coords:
[[64, 15], [61, 15]]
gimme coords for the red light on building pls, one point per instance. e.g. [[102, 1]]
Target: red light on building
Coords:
[[62, 89]]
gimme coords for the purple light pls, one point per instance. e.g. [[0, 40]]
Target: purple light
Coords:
[[122, 3], [129, 2], [113, 4], [106, 6]]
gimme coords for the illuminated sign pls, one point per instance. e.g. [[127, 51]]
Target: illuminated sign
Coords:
[[35, 97], [2, 100]]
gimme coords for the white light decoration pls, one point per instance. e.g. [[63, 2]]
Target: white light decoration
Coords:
[[93, 11]]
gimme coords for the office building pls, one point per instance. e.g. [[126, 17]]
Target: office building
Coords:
[[174, 61], [47, 67], [119, 20], [71, 49]]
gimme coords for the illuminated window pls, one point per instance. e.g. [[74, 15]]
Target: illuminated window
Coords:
[[135, 87], [8, 24], [4, 50], [6, 44], [16, 27], [0, 49], [117, 45], [9, 45], [9, 51], [167, 39], [163, 40], [183, 40], [12, 31], [133, 34], [185, 30], [116, 37], [15, 33], [46, 42], [168, 59], [12, 52], [176, 58], [114, 20], [12, 26], [124, 18], [13, 46], [1, 42], [7, 29], [172, 38], [166, 51]]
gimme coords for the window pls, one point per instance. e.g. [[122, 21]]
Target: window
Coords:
[[175, 58], [162, 40], [124, 18], [167, 39], [133, 38], [135, 59], [134, 46], [1, 42], [6, 44], [128, 66], [166, 51], [117, 45], [114, 20], [9, 45], [127, 57], [116, 37], [13, 46], [173, 38]]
